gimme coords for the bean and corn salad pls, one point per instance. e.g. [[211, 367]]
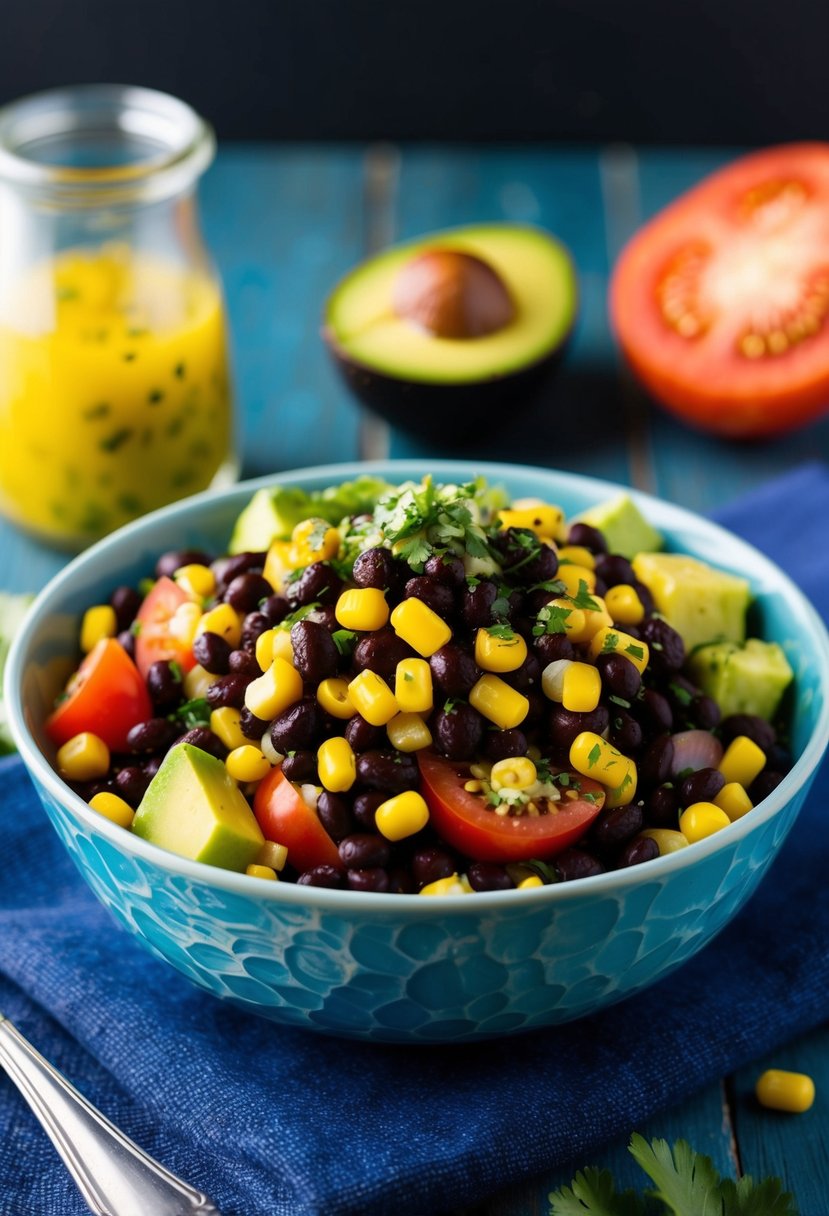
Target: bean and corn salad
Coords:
[[453, 693]]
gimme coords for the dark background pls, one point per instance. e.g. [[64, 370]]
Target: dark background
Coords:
[[695, 71]]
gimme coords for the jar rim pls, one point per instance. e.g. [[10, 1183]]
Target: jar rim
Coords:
[[183, 143]]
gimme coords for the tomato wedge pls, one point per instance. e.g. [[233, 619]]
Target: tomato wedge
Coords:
[[106, 695], [284, 816], [464, 820], [155, 635], [721, 302]]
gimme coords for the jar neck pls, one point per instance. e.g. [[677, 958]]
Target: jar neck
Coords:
[[102, 145]]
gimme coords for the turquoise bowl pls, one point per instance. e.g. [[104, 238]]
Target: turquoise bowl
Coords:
[[401, 968]]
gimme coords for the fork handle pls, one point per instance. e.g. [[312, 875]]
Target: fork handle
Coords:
[[114, 1176]]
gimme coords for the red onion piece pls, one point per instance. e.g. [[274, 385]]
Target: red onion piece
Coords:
[[695, 749]]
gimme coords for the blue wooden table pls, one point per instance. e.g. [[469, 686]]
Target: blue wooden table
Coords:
[[284, 223]]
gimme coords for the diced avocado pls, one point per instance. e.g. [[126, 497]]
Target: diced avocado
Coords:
[[194, 808], [701, 603], [623, 526], [272, 514], [748, 679], [12, 611]]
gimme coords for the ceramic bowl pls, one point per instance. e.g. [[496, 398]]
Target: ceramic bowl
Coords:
[[401, 967]]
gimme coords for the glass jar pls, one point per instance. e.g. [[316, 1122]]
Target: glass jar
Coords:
[[115, 392]]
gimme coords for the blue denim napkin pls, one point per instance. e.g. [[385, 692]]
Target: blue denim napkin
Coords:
[[276, 1122]]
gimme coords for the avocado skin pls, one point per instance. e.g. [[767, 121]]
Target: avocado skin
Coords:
[[447, 413]]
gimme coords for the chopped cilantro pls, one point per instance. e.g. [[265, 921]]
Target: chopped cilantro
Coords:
[[299, 615], [344, 640], [552, 618], [408, 677], [636, 651], [504, 632], [583, 598], [619, 701], [192, 713], [611, 641], [175, 670], [593, 755], [681, 694], [135, 628]]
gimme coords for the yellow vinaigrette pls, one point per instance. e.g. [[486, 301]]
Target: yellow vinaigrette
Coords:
[[114, 391]]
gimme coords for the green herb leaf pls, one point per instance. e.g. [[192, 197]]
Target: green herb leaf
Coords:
[[583, 598], [593, 755], [685, 1181], [192, 713], [299, 615], [750, 1198], [505, 632], [637, 652], [552, 618], [681, 694], [611, 641], [344, 640], [593, 1193], [544, 871], [175, 668]]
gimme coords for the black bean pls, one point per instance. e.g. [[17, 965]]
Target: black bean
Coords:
[[763, 784], [247, 591], [316, 656], [204, 738], [153, 735], [152, 765], [126, 640], [454, 670], [376, 568], [243, 663], [625, 731], [362, 736], [325, 615], [446, 567], [364, 850], [757, 729], [642, 848], [667, 649], [319, 581], [662, 807], [226, 569], [587, 536], [576, 863], [401, 881], [131, 784], [550, 647], [435, 594], [212, 651], [334, 814], [373, 879], [430, 864], [164, 684], [299, 727], [524, 557], [565, 724], [487, 876], [381, 651], [251, 726], [125, 601], [620, 677], [253, 626], [365, 807], [275, 608], [476, 604], [503, 744], [301, 766], [388, 770], [645, 597], [173, 560], [322, 876], [615, 569], [458, 731], [704, 712], [526, 677], [701, 786], [654, 711], [227, 691], [615, 826], [657, 763]]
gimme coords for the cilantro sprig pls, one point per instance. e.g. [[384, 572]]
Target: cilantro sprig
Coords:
[[685, 1183], [419, 519]]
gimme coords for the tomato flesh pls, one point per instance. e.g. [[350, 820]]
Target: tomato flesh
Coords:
[[155, 632], [721, 302], [285, 817], [464, 820], [106, 696]]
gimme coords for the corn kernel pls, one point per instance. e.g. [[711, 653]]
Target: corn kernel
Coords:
[[576, 555], [409, 733], [613, 641], [595, 618], [277, 644], [413, 686], [498, 702], [543, 519], [314, 540], [98, 623], [362, 608], [255, 870], [225, 722], [112, 807], [223, 620], [337, 764], [417, 624], [197, 580], [624, 605], [184, 623], [494, 653], [372, 697], [790, 1091], [334, 698], [273, 855], [401, 816], [274, 691], [455, 884], [570, 621], [278, 563], [581, 688], [592, 756], [514, 773], [83, 757], [532, 880], [247, 764], [734, 800], [197, 681], [743, 761], [702, 819], [573, 576], [667, 840], [552, 678]]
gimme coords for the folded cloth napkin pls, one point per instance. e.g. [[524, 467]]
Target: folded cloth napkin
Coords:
[[272, 1121]]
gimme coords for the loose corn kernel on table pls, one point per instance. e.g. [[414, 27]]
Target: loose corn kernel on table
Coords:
[[284, 223]]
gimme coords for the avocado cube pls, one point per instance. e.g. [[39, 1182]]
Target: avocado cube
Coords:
[[193, 807], [623, 526], [701, 603], [748, 679], [271, 514]]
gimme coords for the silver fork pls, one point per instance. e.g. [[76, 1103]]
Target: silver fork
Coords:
[[114, 1176]]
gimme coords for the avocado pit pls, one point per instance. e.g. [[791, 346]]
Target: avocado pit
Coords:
[[451, 294]]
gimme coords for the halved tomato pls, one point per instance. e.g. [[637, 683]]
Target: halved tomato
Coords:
[[155, 632], [285, 816], [106, 695], [469, 825], [721, 302]]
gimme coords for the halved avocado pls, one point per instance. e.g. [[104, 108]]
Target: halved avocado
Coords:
[[436, 332]]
